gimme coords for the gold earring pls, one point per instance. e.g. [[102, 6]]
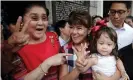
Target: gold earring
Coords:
[[21, 26]]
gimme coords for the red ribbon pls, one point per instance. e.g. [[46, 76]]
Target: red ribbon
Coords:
[[99, 25]]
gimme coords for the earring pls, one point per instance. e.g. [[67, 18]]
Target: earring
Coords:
[[21, 26]]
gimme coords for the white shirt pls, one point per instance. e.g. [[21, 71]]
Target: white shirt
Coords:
[[62, 41], [125, 34], [106, 65]]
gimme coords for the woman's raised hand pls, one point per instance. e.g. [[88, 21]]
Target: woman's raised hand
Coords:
[[19, 37], [82, 62]]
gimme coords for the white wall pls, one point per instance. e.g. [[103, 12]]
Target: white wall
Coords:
[[96, 7], [49, 6], [100, 8]]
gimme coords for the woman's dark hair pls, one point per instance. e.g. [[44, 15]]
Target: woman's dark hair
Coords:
[[79, 17], [20, 8], [112, 35], [58, 25], [29, 4]]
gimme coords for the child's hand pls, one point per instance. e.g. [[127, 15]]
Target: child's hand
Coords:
[[124, 75]]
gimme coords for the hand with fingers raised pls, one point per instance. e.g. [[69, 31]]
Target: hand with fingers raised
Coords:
[[19, 37], [82, 61]]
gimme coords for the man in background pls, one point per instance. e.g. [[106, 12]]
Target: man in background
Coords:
[[118, 11]]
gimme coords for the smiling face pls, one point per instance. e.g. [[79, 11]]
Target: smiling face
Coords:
[[39, 22], [79, 22], [78, 33], [105, 45], [118, 13]]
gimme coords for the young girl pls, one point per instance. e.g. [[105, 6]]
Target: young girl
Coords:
[[105, 49], [104, 52]]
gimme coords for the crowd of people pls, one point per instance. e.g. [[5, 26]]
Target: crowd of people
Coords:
[[78, 49]]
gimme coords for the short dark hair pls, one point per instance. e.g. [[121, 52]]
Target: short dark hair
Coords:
[[112, 35], [58, 25], [130, 17], [96, 16], [127, 3], [79, 17], [29, 4]]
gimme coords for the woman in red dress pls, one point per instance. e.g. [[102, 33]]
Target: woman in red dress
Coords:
[[34, 44]]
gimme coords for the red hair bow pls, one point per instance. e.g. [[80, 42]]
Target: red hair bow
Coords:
[[99, 24]]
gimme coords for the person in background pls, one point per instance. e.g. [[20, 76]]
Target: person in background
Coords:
[[129, 20], [62, 28], [95, 19], [118, 11]]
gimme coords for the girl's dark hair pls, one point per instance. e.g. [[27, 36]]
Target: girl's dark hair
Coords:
[[29, 4], [58, 25], [79, 17], [112, 35]]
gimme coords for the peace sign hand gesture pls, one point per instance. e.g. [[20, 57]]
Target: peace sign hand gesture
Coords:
[[19, 37]]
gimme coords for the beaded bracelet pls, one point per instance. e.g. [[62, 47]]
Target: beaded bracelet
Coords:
[[45, 73]]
